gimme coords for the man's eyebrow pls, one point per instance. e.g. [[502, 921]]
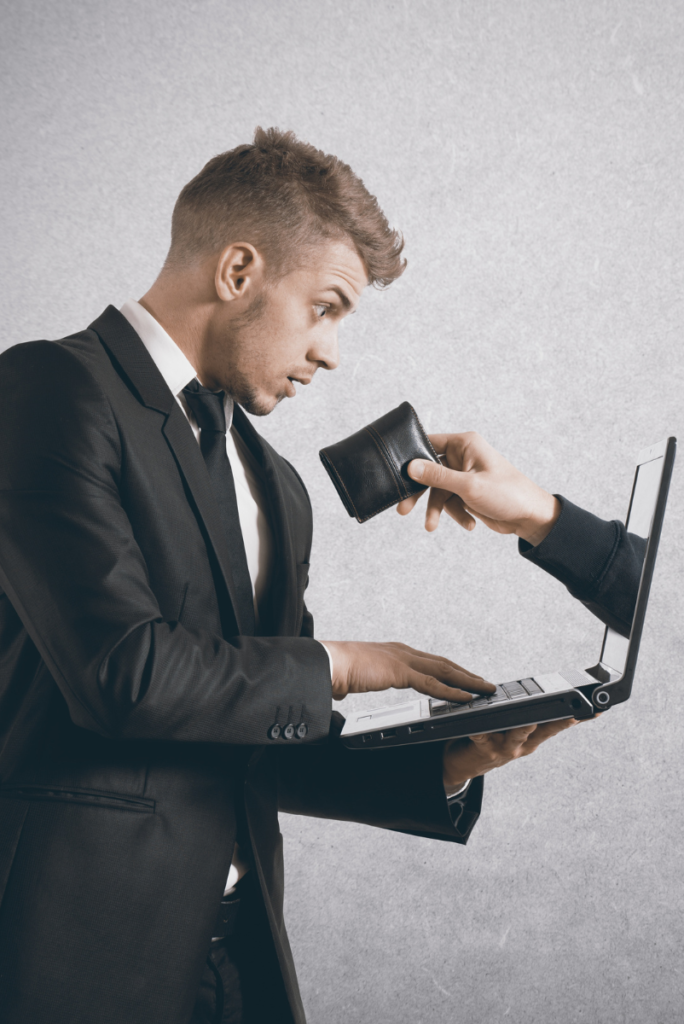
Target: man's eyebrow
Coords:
[[346, 302]]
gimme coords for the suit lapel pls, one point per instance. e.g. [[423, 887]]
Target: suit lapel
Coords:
[[281, 612], [122, 342]]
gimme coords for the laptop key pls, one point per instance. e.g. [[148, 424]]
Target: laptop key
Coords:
[[515, 689], [445, 707], [531, 686]]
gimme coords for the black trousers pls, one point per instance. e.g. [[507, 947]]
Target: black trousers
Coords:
[[241, 982]]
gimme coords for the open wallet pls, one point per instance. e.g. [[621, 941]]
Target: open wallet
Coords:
[[368, 468]]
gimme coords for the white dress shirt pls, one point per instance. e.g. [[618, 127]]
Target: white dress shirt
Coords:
[[178, 371]]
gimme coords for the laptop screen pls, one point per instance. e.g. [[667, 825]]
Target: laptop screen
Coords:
[[639, 522]]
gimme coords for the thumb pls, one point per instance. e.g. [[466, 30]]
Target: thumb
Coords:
[[432, 474]]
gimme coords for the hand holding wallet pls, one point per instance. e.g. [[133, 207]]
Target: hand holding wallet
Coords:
[[368, 468]]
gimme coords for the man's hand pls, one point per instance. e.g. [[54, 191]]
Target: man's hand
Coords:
[[466, 758], [476, 482], [360, 667]]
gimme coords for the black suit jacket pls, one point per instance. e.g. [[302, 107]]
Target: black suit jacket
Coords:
[[134, 715]]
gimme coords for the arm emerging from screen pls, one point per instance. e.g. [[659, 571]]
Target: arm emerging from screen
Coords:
[[598, 561]]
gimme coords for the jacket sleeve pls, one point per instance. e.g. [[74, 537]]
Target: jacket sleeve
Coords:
[[75, 575], [399, 789], [598, 561]]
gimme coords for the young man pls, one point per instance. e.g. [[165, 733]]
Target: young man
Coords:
[[161, 693]]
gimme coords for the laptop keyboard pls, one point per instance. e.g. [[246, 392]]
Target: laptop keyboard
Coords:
[[505, 691]]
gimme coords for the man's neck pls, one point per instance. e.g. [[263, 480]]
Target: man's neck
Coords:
[[176, 302]]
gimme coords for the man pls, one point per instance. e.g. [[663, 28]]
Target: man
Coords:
[[161, 693]]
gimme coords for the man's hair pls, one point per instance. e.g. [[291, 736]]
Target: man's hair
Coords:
[[284, 197]]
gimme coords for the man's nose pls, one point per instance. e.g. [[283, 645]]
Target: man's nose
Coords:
[[326, 352]]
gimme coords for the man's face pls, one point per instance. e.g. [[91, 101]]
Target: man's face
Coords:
[[288, 332]]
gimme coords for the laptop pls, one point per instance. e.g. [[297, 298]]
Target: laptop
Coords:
[[547, 697]]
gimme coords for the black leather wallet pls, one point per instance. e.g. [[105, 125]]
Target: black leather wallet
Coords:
[[368, 468]]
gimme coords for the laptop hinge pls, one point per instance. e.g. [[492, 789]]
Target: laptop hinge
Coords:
[[600, 673], [613, 687]]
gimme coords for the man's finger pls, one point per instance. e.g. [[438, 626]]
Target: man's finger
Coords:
[[433, 688], [457, 510], [507, 742], [408, 504], [454, 678], [436, 502], [496, 525], [549, 729], [454, 442], [445, 669], [514, 740], [478, 686], [473, 677], [519, 734], [431, 474]]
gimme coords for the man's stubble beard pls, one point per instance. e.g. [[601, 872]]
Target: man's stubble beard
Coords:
[[242, 392], [240, 389]]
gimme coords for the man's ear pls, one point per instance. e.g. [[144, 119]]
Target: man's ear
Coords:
[[239, 272]]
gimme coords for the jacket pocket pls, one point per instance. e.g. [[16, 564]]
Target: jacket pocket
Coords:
[[88, 797]]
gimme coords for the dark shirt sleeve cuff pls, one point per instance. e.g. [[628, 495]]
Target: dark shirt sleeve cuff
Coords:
[[598, 561], [577, 549]]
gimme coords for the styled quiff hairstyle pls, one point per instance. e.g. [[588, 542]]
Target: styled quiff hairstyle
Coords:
[[284, 197]]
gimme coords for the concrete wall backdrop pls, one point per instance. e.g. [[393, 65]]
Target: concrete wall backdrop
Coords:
[[531, 151]]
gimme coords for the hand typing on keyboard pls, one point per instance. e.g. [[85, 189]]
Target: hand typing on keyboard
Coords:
[[359, 667]]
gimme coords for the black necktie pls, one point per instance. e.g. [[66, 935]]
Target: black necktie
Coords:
[[208, 409]]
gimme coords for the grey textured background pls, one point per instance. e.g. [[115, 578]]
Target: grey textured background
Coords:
[[531, 151]]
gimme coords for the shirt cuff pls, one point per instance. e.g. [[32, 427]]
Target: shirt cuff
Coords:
[[329, 658], [451, 794], [456, 803]]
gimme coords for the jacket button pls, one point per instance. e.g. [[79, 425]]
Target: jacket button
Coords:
[[302, 730], [288, 731], [274, 731]]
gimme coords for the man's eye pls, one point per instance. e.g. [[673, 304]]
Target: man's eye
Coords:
[[320, 309]]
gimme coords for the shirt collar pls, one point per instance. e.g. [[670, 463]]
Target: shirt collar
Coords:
[[172, 363]]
